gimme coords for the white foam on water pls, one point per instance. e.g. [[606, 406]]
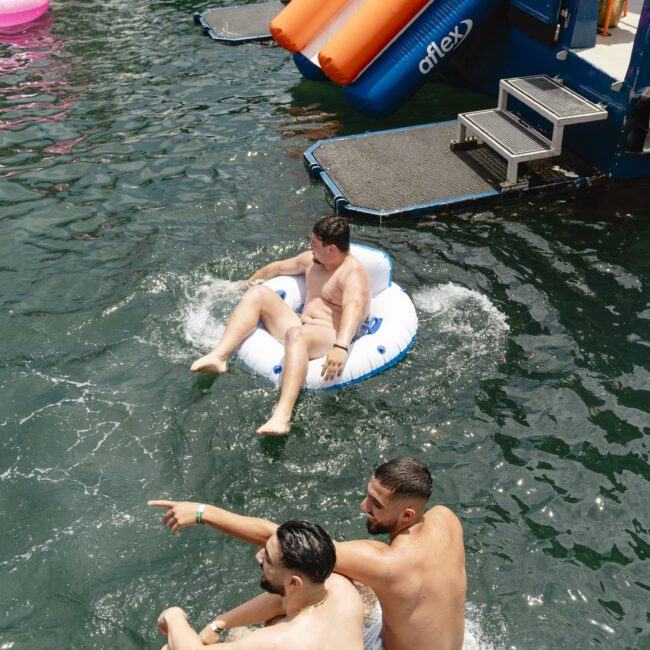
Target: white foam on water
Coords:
[[203, 306], [456, 305], [476, 636], [468, 331], [205, 310]]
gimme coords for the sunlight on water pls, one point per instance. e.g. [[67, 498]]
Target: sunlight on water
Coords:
[[145, 171]]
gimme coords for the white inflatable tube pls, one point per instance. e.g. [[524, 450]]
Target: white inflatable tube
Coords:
[[391, 329]]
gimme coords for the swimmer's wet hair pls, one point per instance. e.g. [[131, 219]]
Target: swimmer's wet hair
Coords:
[[333, 230], [405, 477], [307, 548]]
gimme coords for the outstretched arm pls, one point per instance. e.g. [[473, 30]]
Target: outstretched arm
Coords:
[[180, 514], [293, 266], [364, 560], [261, 609]]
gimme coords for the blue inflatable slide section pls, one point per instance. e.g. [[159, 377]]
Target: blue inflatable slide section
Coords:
[[441, 29]]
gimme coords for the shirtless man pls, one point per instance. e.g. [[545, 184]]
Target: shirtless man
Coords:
[[337, 303], [310, 608], [419, 576]]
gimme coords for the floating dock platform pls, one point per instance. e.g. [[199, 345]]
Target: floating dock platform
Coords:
[[240, 24], [414, 171], [480, 156]]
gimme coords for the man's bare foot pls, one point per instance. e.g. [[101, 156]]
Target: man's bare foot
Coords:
[[210, 363], [276, 426]]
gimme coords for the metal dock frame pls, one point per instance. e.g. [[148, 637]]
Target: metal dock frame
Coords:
[[518, 141]]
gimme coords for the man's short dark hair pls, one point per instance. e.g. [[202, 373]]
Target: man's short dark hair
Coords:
[[307, 548], [405, 477], [333, 230]]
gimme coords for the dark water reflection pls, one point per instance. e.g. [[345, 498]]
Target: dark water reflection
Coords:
[[143, 169]]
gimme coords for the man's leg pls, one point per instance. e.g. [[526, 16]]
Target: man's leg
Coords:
[[258, 303], [300, 345]]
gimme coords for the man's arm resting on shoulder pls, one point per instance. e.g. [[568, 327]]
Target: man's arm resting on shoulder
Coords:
[[181, 514], [258, 610], [293, 266], [364, 560]]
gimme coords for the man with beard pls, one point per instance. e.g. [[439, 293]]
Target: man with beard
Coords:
[[337, 303], [419, 576], [309, 607]]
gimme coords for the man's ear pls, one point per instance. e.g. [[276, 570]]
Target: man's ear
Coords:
[[408, 515], [294, 582]]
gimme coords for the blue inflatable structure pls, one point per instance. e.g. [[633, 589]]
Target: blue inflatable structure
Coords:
[[440, 31]]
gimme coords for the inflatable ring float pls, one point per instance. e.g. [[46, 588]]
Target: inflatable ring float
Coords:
[[17, 12], [385, 337]]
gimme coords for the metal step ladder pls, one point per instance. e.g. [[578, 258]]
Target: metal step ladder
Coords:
[[516, 140]]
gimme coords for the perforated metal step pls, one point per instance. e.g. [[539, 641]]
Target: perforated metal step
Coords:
[[506, 133], [518, 141], [558, 104]]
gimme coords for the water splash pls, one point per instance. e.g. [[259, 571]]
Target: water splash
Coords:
[[203, 306], [470, 332], [455, 303], [206, 308], [482, 627]]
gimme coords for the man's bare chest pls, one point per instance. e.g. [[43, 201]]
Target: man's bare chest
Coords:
[[324, 284]]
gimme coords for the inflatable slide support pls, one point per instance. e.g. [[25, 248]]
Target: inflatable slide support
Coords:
[[381, 51]]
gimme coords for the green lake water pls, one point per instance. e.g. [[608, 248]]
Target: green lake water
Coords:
[[143, 169]]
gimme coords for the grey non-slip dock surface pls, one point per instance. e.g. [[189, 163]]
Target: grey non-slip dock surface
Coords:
[[395, 170], [241, 22], [390, 170]]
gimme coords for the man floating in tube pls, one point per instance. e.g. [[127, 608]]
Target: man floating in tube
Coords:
[[337, 304]]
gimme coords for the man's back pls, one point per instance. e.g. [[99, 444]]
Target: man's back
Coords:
[[419, 579], [423, 598]]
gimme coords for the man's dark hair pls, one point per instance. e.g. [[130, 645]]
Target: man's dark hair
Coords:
[[307, 548], [333, 230], [405, 477]]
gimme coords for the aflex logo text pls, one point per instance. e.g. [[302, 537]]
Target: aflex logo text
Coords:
[[436, 52]]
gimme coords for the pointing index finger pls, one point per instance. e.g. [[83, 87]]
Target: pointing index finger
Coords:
[[161, 504]]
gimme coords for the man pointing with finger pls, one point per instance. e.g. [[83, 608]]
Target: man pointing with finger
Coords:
[[337, 303], [419, 576]]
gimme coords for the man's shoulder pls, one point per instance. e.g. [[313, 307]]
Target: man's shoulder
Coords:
[[442, 514], [341, 585], [306, 257], [346, 603], [443, 525], [353, 268]]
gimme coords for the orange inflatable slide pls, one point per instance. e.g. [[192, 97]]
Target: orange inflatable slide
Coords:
[[343, 37]]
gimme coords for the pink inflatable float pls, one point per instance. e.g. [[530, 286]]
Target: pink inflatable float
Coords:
[[16, 12]]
